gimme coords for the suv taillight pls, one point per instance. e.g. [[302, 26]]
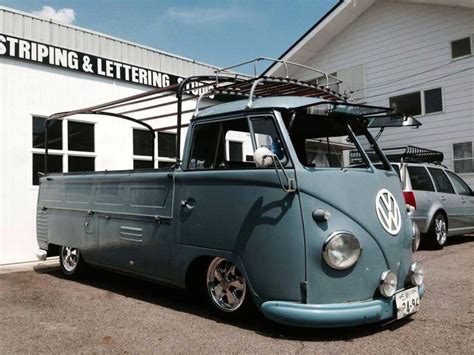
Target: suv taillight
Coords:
[[409, 198]]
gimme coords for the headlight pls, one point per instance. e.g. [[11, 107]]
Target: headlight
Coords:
[[415, 233], [341, 250], [388, 283], [416, 273]]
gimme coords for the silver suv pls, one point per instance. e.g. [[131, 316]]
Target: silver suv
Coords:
[[443, 203]]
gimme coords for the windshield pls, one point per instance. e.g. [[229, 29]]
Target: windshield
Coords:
[[323, 141]]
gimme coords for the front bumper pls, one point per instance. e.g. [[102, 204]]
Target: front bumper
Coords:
[[331, 315]]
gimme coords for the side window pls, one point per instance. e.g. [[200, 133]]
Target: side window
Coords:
[[441, 181], [229, 145], [267, 135], [461, 187], [214, 145], [420, 179]]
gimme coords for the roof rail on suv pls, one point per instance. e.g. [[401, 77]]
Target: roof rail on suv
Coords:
[[406, 154]]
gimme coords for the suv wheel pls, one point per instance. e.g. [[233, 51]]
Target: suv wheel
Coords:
[[438, 232]]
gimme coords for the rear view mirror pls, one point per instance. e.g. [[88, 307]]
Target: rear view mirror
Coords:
[[263, 157]]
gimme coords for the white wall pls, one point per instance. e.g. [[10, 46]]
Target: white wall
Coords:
[[31, 89], [397, 40]]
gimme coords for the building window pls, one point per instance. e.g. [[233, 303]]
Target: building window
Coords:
[[433, 100], [80, 163], [143, 142], [79, 140], [461, 48], [55, 165], [463, 157], [408, 104], [80, 136], [166, 149], [418, 103], [81, 146], [235, 151]]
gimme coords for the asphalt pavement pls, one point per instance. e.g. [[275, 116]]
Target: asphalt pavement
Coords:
[[42, 312]]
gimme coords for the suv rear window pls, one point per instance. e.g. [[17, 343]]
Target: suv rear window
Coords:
[[420, 179], [441, 181]]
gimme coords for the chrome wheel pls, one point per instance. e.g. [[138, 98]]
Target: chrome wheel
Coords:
[[440, 229], [226, 285], [69, 258]]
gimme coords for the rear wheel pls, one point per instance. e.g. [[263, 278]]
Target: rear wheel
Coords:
[[438, 232], [71, 261], [226, 288]]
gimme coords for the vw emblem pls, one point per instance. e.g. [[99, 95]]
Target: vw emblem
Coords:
[[388, 212]]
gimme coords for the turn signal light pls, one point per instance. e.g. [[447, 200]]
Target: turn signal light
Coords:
[[409, 198]]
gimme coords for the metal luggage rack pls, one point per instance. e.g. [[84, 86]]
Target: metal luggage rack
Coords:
[[224, 85], [405, 154]]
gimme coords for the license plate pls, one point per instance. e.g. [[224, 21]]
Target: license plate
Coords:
[[407, 302]]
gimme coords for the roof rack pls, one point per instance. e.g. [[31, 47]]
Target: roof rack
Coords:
[[141, 108], [406, 154]]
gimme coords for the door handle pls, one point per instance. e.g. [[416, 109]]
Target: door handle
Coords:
[[188, 204], [443, 199], [463, 200]]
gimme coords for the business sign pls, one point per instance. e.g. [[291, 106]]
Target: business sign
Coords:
[[36, 52]]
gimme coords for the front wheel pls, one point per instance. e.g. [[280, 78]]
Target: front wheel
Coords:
[[226, 288], [438, 232], [71, 261]]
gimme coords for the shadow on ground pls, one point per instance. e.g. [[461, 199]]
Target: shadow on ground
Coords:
[[454, 240], [182, 301]]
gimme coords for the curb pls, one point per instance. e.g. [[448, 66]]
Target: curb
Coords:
[[30, 266]]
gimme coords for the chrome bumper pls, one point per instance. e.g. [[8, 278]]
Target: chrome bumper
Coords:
[[41, 254]]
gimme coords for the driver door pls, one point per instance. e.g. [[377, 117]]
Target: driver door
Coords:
[[230, 205]]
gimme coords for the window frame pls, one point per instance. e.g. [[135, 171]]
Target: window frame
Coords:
[[423, 103], [64, 151], [187, 155]]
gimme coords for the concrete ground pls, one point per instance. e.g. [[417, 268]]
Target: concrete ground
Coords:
[[40, 311]]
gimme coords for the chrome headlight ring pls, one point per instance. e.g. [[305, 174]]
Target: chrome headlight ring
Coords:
[[416, 273], [341, 250]]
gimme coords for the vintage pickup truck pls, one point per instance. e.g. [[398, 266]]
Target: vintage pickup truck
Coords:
[[291, 227]]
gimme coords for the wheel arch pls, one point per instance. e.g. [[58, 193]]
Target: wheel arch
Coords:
[[193, 271]]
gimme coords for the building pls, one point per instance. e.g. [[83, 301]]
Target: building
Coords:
[[48, 67], [416, 56]]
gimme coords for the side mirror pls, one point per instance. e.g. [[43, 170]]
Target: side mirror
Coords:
[[263, 157]]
